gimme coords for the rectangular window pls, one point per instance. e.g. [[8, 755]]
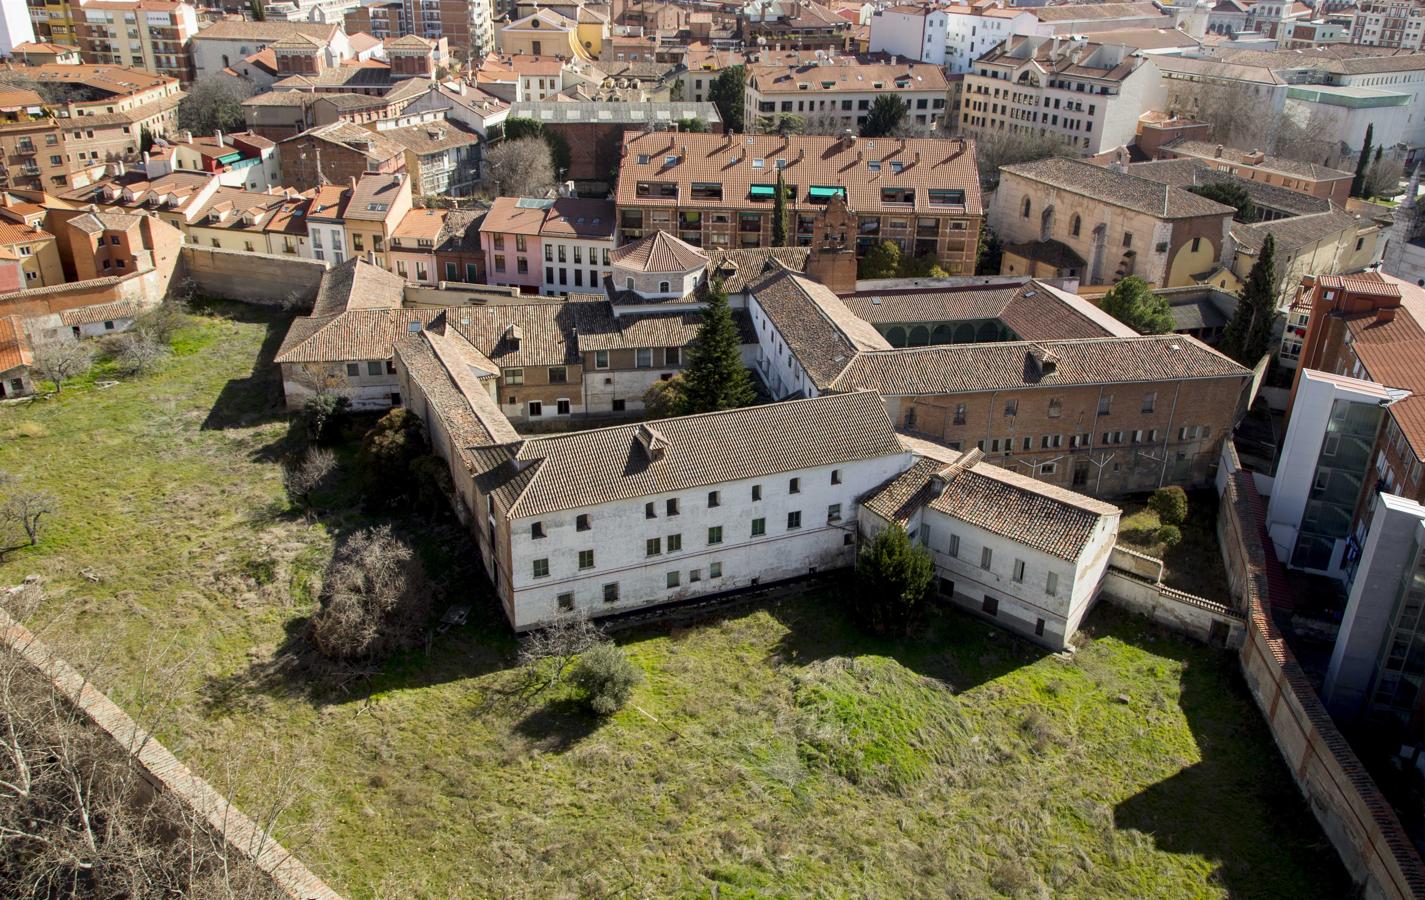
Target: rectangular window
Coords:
[[654, 547], [541, 568], [1056, 408], [759, 527], [1018, 575], [601, 359], [514, 377], [695, 575], [673, 579], [558, 375], [955, 545], [756, 492], [986, 556], [715, 570], [650, 510], [1038, 627], [794, 520], [611, 592], [643, 357], [990, 606], [373, 368], [536, 530], [833, 512], [835, 476], [566, 602], [715, 534], [1150, 401], [586, 559], [582, 522], [353, 370], [1051, 583], [536, 409], [714, 499], [672, 506], [795, 487], [675, 543]]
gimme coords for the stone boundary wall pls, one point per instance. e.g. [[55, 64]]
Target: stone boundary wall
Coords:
[[260, 278], [163, 770], [1357, 819], [1196, 617]]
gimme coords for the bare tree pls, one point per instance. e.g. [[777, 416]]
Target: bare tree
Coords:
[[138, 352], [548, 653], [25, 509], [375, 598], [1383, 178], [995, 150], [520, 168], [213, 104], [303, 476], [60, 360]]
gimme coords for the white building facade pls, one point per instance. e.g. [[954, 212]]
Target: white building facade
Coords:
[[913, 32]]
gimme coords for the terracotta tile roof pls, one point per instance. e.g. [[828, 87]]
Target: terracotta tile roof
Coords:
[[357, 334], [844, 74], [586, 468], [100, 220], [434, 360], [374, 145], [655, 329], [959, 485], [421, 224], [357, 284], [264, 32], [547, 332], [742, 268], [1393, 353], [329, 201], [1098, 11], [823, 334], [284, 98], [17, 233], [561, 217], [1032, 310], [1117, 189], [102, 312], [659, 252], [863, 166], [14, 344], [431, 137], [1190, 172], [1206, 151], [1010, 365], [1296, 232], [514, 215], [374, 196]]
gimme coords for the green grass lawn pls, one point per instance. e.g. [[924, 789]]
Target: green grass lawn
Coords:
[[1194, 565], [775, 751]]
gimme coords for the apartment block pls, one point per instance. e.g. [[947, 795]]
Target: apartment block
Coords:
[[841, 90], [143, 34], [1389, 23], [717, 192], [53, 21], [468, 26]]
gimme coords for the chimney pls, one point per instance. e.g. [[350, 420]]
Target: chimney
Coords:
[[514, 334], [1218, 153], [218, 134], [187, 137], [353, 182]]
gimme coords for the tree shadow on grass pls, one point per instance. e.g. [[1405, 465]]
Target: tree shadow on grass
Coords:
[[256, 398], [951, 646], [558, 725], [1238, 805]]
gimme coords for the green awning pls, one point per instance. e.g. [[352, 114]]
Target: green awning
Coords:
[[229, 157], [764, 191], [826, 193]]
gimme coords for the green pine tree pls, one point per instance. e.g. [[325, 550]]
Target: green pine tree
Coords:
[[882, 260], [1134, 304], [779, 213], [893, 576], [715, 378], [885, 116], [1246, 337], [728, 93], [1358, 183]]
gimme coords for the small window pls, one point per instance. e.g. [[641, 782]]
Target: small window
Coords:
[[672, 506], [566, 601], [715, 570], [715, 534], [581, 523], [663, 287], [986, 557], [654, 547], [675, 543], [714, 499], [353, 370], [1051, 583], [1018, 575], [759, 527], [794, 520], [835, 476], [601, 359], [643, 357], [536, 409], [955, 545], [586, 559], [673, 579], [650, 510], [795, 487], [990, 606], [695, 575], [514, 377], [833, 512], [541, 568], [558, 375], [536, 530], [756, 492], [611, 592], [1150, 401], [1038, 627]]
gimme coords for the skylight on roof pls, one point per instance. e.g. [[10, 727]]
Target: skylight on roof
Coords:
[[378, 207], [758, 163]]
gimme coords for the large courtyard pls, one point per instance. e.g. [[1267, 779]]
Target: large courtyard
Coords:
[[771, 751]]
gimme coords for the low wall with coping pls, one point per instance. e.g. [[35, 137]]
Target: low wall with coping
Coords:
[[1357, 819], [164, 772], [260, 278], [1134, 582]]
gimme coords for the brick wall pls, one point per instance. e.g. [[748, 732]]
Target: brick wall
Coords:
[[254, 277], [164, 772], [1355, 816]]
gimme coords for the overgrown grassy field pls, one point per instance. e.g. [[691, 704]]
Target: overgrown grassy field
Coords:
[[770, 752], [1195, 564]]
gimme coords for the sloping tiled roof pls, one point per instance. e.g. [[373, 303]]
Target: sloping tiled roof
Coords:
[[964, 368], [1101, 11], [1189, 172], [586, 468], [357, 284], [238, 29], [468, 413], [357, 315], [823, 334], [1205, 150], [1030, 512], [431, 137], [659, 252], [102, 312], [1294, 233], [1118, 189], [14, 344], [1393, 353], [844, 75], [740, 269], [863, 166], [1032, 310]]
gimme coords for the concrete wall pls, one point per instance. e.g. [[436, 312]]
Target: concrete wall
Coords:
[[162, 770], [1355, 816], [254, 277], [1196, 617]]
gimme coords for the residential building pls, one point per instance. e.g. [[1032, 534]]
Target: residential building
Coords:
[[716, 191], [842, 90], [1389, 23], [53, 21], [278, 115], [1090, 94], [801, 24], [1303, 177], [468, 26], [141, 34], [42, 54], [413, 245], [104, 243], [442, 159], [1325, 470], [177, 198], [16, 29], [542, 33], [326, 223], [521, 78], [1069, 218], [463, 103], [1105, 413], [459, 257], [241, 159], [576, 238], [337, 152], [1365, 327], [235, 219], [36, 250], [973, 31], [509, 236], [299, 48], [1026, 555], [16, 357], [378, 204], [914, 32], [595, 130]]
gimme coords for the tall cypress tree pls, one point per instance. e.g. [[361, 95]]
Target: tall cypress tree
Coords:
[[1358, 183], [715, 378], [779, 213], [1246, 337]]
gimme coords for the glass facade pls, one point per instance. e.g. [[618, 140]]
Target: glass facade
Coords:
[[1341, 470], [1402, 660]]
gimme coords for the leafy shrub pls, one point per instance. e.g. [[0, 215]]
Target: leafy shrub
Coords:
[[1170, 536], [325, 412], [606, 677], [1171, 505], [375, 598], [387, 452]]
